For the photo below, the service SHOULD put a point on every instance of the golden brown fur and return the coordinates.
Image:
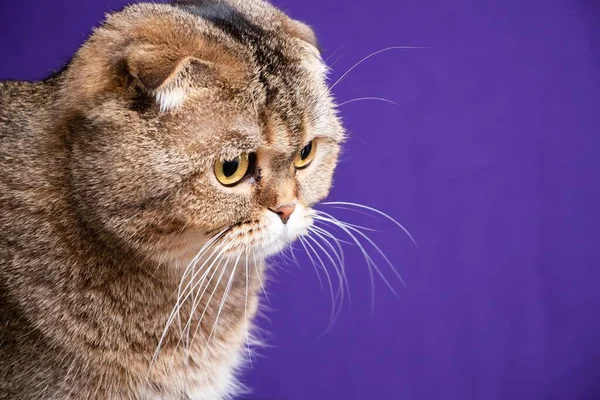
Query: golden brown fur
(107, 193)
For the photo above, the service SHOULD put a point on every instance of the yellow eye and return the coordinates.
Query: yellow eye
(306, 155)
(231, 172)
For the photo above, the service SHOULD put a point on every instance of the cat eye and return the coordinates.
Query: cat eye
(231, 172)
(306, 155)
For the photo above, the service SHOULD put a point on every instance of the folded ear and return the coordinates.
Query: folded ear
(146, 46)
(301, 31)
(164, 73)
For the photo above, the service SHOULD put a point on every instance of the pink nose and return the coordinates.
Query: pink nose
(285, 211)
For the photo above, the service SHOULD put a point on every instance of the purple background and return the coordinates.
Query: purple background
(490, 159)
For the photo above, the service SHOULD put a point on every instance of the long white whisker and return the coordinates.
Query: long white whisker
(223, 300)
(367, 98)
(359, 226)
(285, 255)
(369, 56)
(312, 262)
(195, 306)
(333, 263)
(330, 66)
(217, 252)
(333, 297)
(333, 54)
(366, 256)
(191, 282)
(323, 234)
(258, 276)
(380, 252)
(318, 231)
(357, 211)
(336, 240)
(246, 314)
(177, 306)
(192, 265)
(197, 299)
(398, 224)
(335, 311)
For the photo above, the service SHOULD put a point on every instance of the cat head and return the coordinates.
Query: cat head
(198, 120)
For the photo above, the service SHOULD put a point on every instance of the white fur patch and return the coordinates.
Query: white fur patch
(224, 384)
(169, 99)
(278, 236)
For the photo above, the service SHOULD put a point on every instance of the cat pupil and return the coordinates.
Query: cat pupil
(229, 167)
(306, 151)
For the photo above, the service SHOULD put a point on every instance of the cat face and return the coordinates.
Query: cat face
(196, 121)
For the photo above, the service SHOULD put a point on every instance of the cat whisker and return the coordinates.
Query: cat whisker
(323, 234)
(357, 211)
(352, 68)
(368, 239)
(223, 300)
(349, 204)
(188, 291)
(155, 356)
(312, 262)
(199, 286)
(333, 262)
(184, 332)
(177, 306)
(337, 240)
(330, 67)
(292, 254)
(370, 262)
(246, 315)
(258, 276)
(334, 53)
(333, 297)
(192, 265)
(206, 306)
(195, 260)
(367, 98)
(340, 293)
(283, 254)
(363, 228)
(196, 298)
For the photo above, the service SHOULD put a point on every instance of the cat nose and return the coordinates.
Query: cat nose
(285, 212)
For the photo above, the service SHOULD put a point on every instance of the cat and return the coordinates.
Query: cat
(143, 186)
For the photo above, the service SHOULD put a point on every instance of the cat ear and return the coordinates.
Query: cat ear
(301, 31)
(162, 73)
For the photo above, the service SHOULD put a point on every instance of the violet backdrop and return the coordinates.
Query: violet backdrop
(490, 159)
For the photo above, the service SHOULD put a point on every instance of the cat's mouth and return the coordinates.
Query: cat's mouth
(258, 238)
(268, 235)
